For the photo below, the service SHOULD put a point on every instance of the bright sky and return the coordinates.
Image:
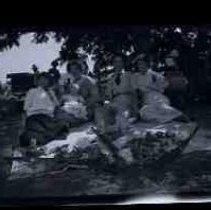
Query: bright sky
(20, 59)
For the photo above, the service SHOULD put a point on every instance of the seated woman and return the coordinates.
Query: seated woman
(39, 106)
(149, 87)
(178, 83)
(80, 88)
(120, 92)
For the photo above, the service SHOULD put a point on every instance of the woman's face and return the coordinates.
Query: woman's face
(142, 66)
(118, 63)
(75, 71)
(43, 82)
(170, 62)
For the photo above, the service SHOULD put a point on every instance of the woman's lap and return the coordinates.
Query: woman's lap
(41, 127)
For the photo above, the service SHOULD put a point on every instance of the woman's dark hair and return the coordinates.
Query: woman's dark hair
(44, 75)
(124, 58)
(137, 57)
(54, 63)
(72, 63)
(145, 58)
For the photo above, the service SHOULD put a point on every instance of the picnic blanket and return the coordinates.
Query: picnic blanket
(143, 144)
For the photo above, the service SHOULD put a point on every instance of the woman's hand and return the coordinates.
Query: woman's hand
(74, 88)
(81, 100)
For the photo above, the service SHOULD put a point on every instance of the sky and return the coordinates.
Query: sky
(20, 59)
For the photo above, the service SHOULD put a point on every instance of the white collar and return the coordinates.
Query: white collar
(123, 71)
(40, 88)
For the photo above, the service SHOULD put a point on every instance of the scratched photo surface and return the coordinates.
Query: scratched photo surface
(105, 111)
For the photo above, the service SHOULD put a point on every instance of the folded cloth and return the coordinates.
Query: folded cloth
(79, 137)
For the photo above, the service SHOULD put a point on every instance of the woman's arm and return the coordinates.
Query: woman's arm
(53, 97)
(159, 82)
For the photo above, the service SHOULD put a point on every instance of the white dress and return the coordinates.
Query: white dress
(156, 106)
(121, 95)
(38, 101)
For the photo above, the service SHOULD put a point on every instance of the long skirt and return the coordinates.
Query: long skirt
(43, 128)
(157, 108)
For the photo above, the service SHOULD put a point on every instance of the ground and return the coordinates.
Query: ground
(190, 172)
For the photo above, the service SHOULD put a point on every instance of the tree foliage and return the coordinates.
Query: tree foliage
(153, 39)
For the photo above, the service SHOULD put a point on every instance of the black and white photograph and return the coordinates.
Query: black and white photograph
(105, 110)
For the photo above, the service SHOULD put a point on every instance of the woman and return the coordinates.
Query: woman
(177, 88)
(119, 87)
(40, 106)
(120, 92)
(149, 87)
(80, 88)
